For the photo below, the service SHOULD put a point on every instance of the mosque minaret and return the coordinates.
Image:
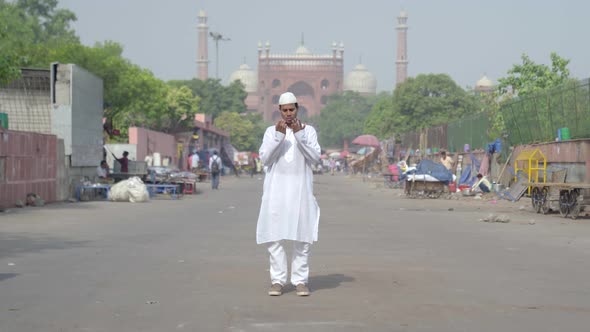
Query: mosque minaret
(402, 51)
(202, 50)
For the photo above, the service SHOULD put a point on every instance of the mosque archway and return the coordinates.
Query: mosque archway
(302, 89)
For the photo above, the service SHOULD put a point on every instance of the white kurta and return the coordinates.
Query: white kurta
(289, 211)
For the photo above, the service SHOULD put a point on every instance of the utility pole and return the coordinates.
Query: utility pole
(216, 36)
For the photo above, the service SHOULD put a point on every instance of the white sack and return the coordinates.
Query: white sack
(131, 190)
(138, 192)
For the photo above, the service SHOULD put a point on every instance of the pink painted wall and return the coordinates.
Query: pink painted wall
(149, 141)
(30, 166)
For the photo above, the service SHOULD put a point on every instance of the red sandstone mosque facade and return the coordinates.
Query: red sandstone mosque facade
(311, 77)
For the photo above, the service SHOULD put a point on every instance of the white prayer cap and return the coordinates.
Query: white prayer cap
(287, 98)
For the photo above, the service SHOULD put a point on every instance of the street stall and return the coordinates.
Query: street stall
(172, 182)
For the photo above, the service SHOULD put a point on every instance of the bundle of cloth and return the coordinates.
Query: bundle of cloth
(429, 171)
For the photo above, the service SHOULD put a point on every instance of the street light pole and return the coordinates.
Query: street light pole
(217, 37)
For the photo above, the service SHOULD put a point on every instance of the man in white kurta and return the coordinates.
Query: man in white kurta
(289, 210)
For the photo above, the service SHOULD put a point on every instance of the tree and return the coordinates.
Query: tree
(140, 101)
(181, 109)
(420, 102)
(48, 22)
(375, 123)
(343, 118)
(216, 98)
(240, 130)
(530, 77)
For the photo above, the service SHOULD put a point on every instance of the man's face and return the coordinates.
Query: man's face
(288, 112)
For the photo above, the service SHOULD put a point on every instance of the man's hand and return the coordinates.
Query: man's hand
(281, 127)
(297, 125)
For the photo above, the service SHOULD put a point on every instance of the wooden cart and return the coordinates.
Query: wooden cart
(567, 198)
(422, 189)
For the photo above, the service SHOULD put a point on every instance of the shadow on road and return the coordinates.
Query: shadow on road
(4, 276)
(12, 244)
(328, 281)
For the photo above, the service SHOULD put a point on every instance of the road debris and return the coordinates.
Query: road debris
(494, 218)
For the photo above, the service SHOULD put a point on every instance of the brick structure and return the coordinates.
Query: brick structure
(311, 77)
(28, 164)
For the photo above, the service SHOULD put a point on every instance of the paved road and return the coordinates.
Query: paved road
(383, 263)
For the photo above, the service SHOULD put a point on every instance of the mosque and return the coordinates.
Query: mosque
(311, 77)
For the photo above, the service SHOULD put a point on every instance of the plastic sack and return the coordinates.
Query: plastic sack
(138, 192)
(119, 192)
(131, 190)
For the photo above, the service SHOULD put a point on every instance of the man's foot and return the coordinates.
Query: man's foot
(302, 290)
(275, 290)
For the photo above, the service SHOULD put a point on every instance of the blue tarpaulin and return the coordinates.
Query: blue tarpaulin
(438, 171)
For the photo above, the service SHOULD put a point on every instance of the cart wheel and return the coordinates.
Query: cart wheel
(564, 201)
(574, 205)
(545, 204)
(536, 199)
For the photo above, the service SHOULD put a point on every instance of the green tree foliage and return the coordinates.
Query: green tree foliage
(240, 129)
(343, 118)
(216, 98)
(49, 23)
(259, 129)
(181, 107)
(420, 102)
(530, 77)
(374, 122)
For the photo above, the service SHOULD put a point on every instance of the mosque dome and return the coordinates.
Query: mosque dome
(484, 84)
(360, 80)
(247, 76)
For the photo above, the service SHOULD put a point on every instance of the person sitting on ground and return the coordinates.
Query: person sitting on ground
(102, 171)
(482, 184)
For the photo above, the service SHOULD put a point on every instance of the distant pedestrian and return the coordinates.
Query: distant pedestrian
(194, 162)
(289, 210)
(446, 160)
(124, 161)
(215, 168)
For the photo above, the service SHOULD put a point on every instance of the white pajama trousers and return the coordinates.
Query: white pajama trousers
(278, 263)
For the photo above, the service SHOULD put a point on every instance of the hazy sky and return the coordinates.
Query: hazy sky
(463, 38)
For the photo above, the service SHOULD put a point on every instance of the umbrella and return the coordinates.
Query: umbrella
(344, 154)
(366, 140)
(323, 156)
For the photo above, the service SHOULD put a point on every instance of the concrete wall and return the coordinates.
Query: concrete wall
(28, 164)
(149, 141)
(77, 113)
(572, 154)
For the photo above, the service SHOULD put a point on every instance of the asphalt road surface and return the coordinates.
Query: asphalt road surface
(382, 263)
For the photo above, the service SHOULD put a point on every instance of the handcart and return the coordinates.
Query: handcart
(568, 199)
(424, 186)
